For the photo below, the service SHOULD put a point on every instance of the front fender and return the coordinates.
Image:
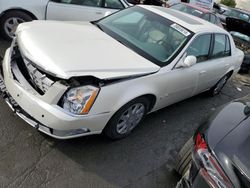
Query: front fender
(112, 97)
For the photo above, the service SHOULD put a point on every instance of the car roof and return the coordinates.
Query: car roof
(196, 7)
(190, 22)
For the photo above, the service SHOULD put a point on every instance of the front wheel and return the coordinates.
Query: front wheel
(10, 21)
(126, 119)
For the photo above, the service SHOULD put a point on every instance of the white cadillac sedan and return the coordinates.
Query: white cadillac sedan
(74, 79)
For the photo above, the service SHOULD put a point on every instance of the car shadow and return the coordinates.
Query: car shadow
(147, 156)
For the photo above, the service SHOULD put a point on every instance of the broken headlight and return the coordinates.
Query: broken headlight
(79, 100)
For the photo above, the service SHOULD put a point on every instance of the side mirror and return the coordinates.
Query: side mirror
(187, 62)
(190, 61)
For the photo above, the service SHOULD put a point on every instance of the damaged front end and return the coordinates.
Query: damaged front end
(55, 106)
(39, 83)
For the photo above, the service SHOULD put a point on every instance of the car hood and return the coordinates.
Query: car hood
(241, 26)
(70, 49)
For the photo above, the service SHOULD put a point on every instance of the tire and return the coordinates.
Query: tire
(123, 123)
(184, 158)
(217, 88)
(10, 21)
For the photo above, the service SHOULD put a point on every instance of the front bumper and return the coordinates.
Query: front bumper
(42, 112)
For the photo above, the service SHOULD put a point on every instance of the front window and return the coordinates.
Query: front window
(148, 34)
(200, 47)
(187, 9)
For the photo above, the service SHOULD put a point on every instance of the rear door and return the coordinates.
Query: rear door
(216, 64)
(81, 10)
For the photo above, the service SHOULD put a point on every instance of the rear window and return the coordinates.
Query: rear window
(221, 46)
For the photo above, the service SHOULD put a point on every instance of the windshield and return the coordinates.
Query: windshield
(187, 9)
(237, 14)
(150, 35)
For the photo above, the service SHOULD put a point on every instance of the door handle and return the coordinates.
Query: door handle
(227, 65)
(98, 12)
(203, 72)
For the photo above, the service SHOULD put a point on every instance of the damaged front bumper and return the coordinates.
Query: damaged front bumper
(41, 112)
(31, 121)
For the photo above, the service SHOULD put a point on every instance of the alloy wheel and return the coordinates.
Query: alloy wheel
(220, 85)
(11, 25)
(130, 118)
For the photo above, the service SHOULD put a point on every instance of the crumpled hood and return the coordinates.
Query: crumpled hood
(70, 49)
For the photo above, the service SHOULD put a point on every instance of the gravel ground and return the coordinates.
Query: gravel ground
(144, 159)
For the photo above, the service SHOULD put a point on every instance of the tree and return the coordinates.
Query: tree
(230, 3)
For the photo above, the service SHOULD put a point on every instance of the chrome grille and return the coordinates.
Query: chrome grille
(39, 79)
(35, 77)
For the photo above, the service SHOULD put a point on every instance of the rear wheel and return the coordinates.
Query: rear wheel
(10, 21)
(126, 119)
(219, 85)
(184, 158)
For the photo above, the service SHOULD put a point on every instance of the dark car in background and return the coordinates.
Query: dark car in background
(218, 154)
(233, 13)
(198, 12)
(245, 66)
(240, 31)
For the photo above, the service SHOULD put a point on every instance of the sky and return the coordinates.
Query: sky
(245, 4)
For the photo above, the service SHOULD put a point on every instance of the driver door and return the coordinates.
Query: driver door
(176, 85)
(184, 82)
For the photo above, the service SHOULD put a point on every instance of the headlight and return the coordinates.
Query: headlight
(79, 100)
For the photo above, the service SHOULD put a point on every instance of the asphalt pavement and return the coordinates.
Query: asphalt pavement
(145, 159)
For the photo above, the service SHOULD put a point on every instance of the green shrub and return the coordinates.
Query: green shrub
(230, 3)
